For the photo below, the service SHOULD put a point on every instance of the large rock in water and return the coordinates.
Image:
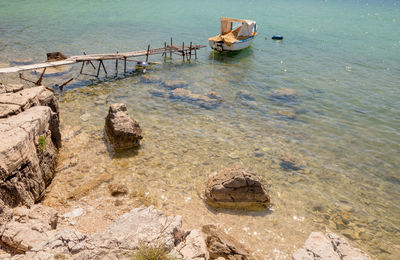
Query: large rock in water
(122, 131)
(321, 246)
(29, 130)
(236, 188)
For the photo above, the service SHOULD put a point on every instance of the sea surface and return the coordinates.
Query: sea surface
(316, 116)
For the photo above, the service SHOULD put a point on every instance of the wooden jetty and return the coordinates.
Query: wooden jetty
(186, 51)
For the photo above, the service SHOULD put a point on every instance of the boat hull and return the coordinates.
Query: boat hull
(236, 46)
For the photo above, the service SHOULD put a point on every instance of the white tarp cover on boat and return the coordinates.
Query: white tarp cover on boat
(226, 24)
(228, 36)
(247, 28)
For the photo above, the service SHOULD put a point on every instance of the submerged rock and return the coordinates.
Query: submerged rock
(117, 189)
(328, 246)
(173, 84)
(151, 78)
(207, 101)
(122, 131)
(236, 188)
(245, 95)
(284, 95)
(286, 114)
(22, 61)
(290, 163)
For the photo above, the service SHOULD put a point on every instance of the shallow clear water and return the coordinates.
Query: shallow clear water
(339, 132)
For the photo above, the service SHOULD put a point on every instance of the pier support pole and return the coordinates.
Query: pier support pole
(83, 64)
(116, 65)
(147, 54)
(183, 50)
(190, 51)
(124, 64)
(170, 53)
(98, 70)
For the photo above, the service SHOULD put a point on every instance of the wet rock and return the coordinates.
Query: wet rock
(328, 246)
(236, 188)
(55, 56)
(117, 189)
(221, 245)
(122, 130)
(29, 228)
(173, 84)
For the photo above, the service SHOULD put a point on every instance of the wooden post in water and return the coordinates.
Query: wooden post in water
(183, 50)
(104, 67)
(116, 65)
(89, 61)
(170, 53)
(190, 51)
(83, 63)
(147, 54)
(124, 64)
(98, 70)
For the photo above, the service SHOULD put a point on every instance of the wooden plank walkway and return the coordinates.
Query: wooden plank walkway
(181, 50)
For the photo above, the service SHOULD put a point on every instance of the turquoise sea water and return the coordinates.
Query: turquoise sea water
(343, 130)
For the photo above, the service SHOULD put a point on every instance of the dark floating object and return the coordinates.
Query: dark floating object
(277, 37)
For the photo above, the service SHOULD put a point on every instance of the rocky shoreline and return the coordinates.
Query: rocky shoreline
(29, 127)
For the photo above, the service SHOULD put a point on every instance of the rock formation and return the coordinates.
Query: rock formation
(122, 131)
(55, 56)
(32, 233)
(236, 188)
(220, 245)
(29, 130)
(328, 246)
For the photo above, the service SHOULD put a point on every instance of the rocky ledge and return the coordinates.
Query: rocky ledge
(30, 139)
(39, 233)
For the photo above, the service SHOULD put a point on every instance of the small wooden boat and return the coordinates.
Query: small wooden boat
(234, 38)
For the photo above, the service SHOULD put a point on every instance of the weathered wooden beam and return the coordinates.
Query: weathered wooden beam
(64, 84)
